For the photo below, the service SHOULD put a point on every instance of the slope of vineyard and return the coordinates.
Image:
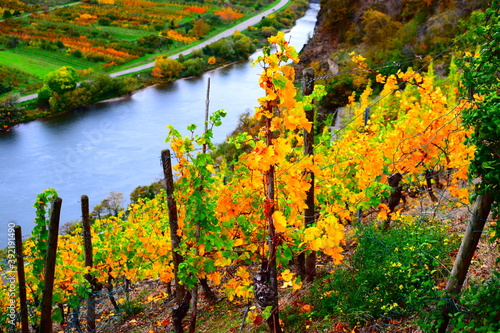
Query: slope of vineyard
(237, 228)
(392, 35)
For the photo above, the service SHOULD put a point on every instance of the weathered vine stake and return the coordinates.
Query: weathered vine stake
(268, 273)
(182, 297)
(194, 302)
(50, 266)
(273, 321)
(467, 248)
(307, 265)
(173, 221)
(87, 245)
(21, 278)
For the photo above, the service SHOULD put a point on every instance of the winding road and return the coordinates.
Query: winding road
(239, 27)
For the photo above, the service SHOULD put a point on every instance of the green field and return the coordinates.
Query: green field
(126, 34)
(33, 65)
(40, 62)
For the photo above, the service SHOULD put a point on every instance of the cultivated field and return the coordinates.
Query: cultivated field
(104, 35)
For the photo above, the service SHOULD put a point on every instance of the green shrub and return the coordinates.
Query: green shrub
(339, 89)
(479, 308)
(130, 308)
(392, 274)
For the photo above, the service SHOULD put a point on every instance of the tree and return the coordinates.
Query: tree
(193, 67)
(200, 28)
(197, 53)
(104, 21)
(101, 85)
(125, 85)
(44, 95)
(269, 31)
(153, 42)
(62, 80)
(12, 42)
(213, 20)
(146, 192)
(166, 68)
(379, 28)
(7, 14)
(9, 112)
(340, 14)
(243, 44)
(5, 88)
(111, 206)
(223, 48)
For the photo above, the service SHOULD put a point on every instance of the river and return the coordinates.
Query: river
(115, 146)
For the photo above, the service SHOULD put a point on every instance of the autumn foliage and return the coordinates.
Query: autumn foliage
(250, 220)
(229, 14)
(166, 68)
(177, 36)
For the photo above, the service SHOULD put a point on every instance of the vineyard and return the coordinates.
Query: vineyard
(366, 217)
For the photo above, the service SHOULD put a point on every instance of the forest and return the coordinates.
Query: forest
(361, 196)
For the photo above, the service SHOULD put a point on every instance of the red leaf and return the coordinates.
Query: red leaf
(257, 321)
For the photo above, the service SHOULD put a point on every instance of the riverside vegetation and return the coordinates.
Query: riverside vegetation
(382, 264)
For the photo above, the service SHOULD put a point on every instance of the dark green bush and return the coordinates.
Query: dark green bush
(479, 308)
(392, 274)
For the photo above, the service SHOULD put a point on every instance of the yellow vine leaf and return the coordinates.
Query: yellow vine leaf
(279, 222)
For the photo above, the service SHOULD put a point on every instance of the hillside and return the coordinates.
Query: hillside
(370, 228)
(393, 35)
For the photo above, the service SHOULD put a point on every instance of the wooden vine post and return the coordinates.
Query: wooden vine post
(194, 301)
(182, 297)
(50, 265)
(273, 320)
(21, 278)
(87, 246)
(307, 264)
(471, 238)
(482, 116)
(173, 221)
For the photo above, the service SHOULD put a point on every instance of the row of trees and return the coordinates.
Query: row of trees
(236, 47)
(8, 13)
(61, 90)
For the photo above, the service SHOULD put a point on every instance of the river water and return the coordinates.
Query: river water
(115, 146)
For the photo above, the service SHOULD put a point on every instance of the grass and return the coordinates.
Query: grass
(33, 65)
(126, 34)
(56, 57)
(30, 66)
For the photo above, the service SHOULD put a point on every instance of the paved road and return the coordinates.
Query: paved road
(240, 27)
